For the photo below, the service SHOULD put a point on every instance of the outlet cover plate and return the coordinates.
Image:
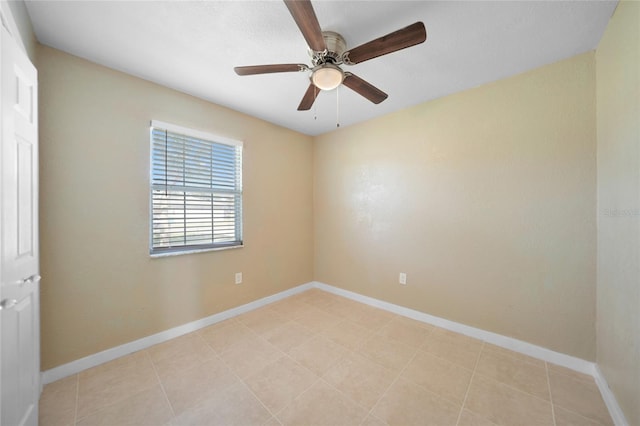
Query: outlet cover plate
(403, 278)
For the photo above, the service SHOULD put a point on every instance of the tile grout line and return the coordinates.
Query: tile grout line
(259, 336)
(349, 399)
(572, 375)
(164, 392)
(113, 403)
(514, 388)
(393, 383)
(371, 333)
(319, 379)
(423, 387)
(232, 371)
(510, 354)
(510, 386)
(75, 413)
(587, 419)
(283, 353)
(553, 410)
(246, 385)
(438, 356)
(466, 394)
(332, 365)
(573, 378)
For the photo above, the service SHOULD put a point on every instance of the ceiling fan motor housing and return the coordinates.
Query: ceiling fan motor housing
(336, 46)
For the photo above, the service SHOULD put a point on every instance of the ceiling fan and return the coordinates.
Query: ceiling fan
(328, 51)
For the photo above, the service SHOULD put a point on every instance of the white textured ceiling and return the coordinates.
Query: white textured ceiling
(193, 47)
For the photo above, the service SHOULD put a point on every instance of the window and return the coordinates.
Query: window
(196, 190)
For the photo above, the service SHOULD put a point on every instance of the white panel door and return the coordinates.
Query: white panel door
(19, 262)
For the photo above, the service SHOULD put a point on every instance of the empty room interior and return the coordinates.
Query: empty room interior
(320, 213)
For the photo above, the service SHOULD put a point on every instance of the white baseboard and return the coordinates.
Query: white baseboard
(516, 345)
(615, 411)
(116, 352)
(576, 364)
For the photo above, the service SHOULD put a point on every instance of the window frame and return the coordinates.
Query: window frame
(209, 137)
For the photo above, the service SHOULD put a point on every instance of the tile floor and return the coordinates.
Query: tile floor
(319, 359)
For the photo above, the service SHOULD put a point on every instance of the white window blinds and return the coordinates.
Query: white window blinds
(196, 190)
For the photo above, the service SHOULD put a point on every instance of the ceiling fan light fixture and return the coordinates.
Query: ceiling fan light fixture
(327, 77)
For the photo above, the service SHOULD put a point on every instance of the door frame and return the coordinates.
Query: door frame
(9, 22)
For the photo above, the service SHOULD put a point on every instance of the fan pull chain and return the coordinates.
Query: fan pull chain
(315, 110)
(338, 106)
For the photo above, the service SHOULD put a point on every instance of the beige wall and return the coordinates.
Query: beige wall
(100, 288)
(486, 199)
(618, 111)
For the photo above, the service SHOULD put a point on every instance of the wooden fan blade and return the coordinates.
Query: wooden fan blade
(305, 17)
(309, 97)
(363, 88)
(267, 69)
(397, 40)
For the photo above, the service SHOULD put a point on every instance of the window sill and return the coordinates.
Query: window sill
(181, 252)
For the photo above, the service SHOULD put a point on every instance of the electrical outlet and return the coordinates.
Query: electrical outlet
(403, 278)
(238, 277)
